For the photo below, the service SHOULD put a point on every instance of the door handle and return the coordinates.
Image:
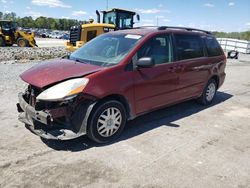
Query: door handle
(171, 69)
(180, 67)
(175, 68)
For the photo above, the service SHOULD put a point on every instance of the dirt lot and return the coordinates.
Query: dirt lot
(182, 146)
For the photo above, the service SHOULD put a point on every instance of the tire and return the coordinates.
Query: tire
(208, 93)
(2, 42)
(233, 54)
(102, 127)
(22, 42)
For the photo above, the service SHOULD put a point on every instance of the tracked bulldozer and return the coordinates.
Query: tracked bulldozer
(10, 34)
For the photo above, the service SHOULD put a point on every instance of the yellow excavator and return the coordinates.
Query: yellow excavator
(9, 35)
(114, 19)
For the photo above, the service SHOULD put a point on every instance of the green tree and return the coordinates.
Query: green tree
(41, 22)
(9, 16)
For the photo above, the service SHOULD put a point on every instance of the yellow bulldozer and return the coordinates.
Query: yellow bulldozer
(114, 19)
(9, 35)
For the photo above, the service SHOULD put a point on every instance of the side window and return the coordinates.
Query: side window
(125, 21)
(213, 47)
(91, 35)
(189, 46)
(158, 48)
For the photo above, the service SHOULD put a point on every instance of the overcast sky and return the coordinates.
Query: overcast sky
(220, 15)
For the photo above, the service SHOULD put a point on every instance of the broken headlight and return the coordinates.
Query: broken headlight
(64, 91)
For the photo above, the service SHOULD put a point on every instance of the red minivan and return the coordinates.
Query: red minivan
(117, 77)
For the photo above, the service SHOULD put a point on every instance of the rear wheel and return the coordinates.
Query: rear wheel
(2, 42)
(208, 93)
(106, 122)
(22, 42)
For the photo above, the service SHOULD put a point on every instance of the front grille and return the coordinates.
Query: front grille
(75, 34)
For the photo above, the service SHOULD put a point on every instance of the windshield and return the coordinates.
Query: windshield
(120, 20)
(9, 25)
(106, 50)
(110, 18)
(125, 21)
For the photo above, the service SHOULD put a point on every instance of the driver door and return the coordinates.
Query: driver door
(155, 87)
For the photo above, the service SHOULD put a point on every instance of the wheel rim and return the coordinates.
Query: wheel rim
(21, 43)
(211, 89)
(109, 122)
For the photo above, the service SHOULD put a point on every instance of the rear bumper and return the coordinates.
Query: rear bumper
(41, 123)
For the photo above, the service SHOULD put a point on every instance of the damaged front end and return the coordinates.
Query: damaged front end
(62, 119)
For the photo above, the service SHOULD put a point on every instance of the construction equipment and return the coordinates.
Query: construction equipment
(9, 35)
(114, 19)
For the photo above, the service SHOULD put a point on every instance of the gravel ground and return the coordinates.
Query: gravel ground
(47, 49)
(181, 146)
(26, 54)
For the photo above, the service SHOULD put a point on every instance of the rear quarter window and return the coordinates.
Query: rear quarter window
(213, 47)
(189, 46)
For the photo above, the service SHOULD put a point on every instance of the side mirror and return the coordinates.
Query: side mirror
(138, 17)
(145, 62)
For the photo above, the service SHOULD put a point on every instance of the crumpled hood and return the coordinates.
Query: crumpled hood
(55, 71)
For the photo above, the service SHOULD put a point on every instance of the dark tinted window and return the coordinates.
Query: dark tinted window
(91, 35)
(213, 47)
(159, 48)
(125, 21)
(189, 46)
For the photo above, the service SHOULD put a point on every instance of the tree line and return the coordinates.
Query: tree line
(65, 24)
(41, 22)
(235, 35)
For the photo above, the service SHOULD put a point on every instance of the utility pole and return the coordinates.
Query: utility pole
(157, 20)
(107, 5)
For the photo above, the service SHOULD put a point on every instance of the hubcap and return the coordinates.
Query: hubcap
(21, 43)
(210, 92)
(109, 122)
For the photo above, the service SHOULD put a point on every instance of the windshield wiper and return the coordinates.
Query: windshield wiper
(65, 57)
(78, 60)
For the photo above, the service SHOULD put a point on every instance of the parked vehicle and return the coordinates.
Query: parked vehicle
(65, 36)
(117, 77)
(10, 34)
(114, 19)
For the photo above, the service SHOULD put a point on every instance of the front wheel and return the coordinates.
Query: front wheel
(107, 121)
(22, 42)
(208, 93)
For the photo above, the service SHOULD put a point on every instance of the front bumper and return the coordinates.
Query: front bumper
(70, 47)
(47, 127)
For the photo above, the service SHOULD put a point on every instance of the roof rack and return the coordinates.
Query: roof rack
(183, 28)
(147, 27)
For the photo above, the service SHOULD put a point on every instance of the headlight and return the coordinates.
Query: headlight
(64, 90)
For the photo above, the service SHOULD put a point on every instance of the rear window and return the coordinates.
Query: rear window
(213, 47)
(189, 46)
